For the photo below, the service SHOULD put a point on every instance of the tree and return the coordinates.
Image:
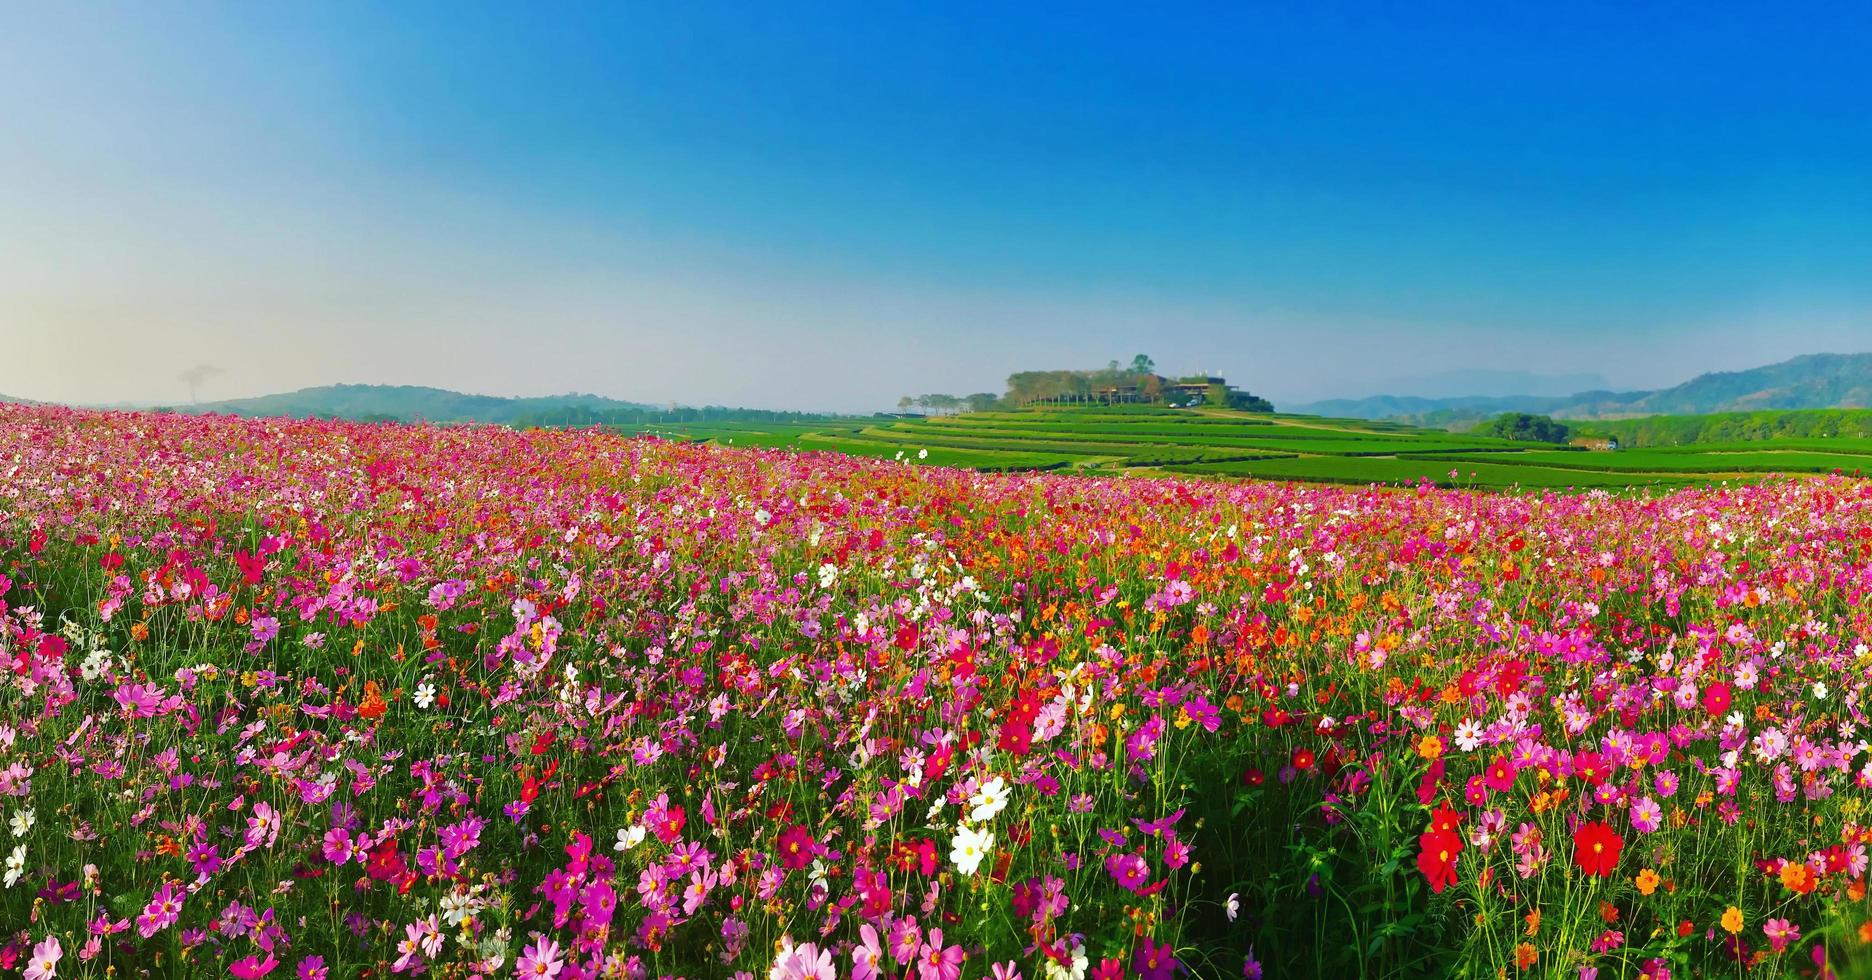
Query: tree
(982, 401)
(904, 403)
(941, 402)
(1523, 427)
(1244, 402)
(1141, 364)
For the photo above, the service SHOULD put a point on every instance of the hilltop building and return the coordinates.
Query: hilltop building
(1195, 390)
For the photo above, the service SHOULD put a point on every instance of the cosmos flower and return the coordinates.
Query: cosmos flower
(969, 846)
(1596, 848)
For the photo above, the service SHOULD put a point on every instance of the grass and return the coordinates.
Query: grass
(1209, 443)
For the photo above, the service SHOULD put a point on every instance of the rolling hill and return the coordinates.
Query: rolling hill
(1808, 381)
(403, 403)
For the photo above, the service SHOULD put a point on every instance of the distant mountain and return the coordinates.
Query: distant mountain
(1413, 406)
(1808, 381)
(1470, 382)
(404, 403)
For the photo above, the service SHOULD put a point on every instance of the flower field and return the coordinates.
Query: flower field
(313, 699)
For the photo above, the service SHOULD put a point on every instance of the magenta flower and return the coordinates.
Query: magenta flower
(934, 961)
(164, 908)
(540, 959)
(1781, 934)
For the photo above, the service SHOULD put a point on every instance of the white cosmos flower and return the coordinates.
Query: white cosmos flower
(425, 694)
(457, 908)
(21, 823)
(968, 849)
(15, 865)
(1233, 905)
(828, 574)
(989, 800)
(1468, 735)
(628, 838)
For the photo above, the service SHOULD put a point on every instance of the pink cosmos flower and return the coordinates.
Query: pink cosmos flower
(1646, 815)
(905, 939)
(164, 908)
(806, 962)
(45, 958)
(1781, 933)
(867, 954)
(540, 959)
(935, 961)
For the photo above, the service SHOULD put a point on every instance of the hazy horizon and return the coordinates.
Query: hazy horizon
(718, 204)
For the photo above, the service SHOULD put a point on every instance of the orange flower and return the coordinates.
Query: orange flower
(1647, 881)
(1533, 922)
(1798, 878)
(1525, 956)
(374, 705)
(1430, 747)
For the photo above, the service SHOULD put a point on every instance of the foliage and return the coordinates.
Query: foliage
(1523, 427)
(1689, 430)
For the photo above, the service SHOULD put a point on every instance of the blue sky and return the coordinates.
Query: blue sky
(825, 206)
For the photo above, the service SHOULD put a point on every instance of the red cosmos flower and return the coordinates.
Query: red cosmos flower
(1591, 766)
(796, 847)
(915, 857)
(669, 828)
(252, 567)
(1437, 860)
(384, 862)
(1444, 820)
(1428, 786)
(1500, 775)
(1303, 759)
(1716, 698)
(1254, 777)
(1596, 848)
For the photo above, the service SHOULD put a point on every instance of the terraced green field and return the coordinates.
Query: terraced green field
(1145, 440)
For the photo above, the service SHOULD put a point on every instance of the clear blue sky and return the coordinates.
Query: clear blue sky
(828, 205)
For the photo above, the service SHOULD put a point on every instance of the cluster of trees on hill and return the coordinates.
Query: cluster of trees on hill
(1139, 378)
(1684, 430)
(1026, 387)
(1524, 427)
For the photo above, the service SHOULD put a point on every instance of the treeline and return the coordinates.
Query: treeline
(1028, 387)
(1684, 430)
(981, 401)
(1523, 427)
(1149, 387)
(579, 416)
